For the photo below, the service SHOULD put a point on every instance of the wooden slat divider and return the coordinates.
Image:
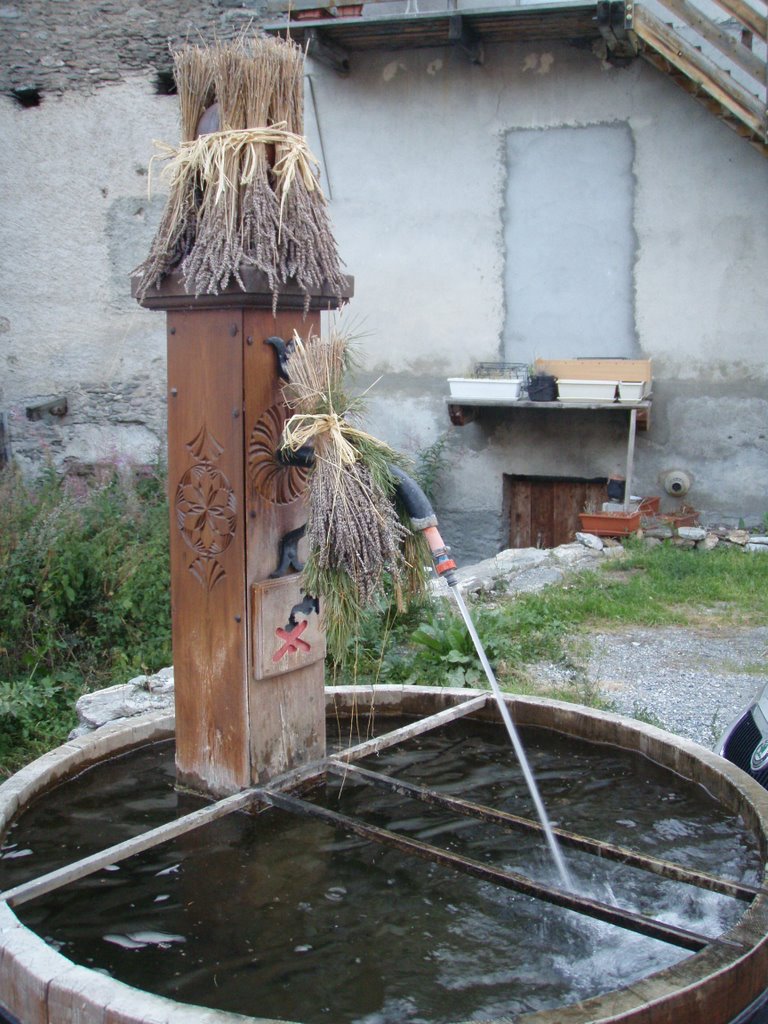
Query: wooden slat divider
(700, 69)
(389, 739)
(302, 775)
(726, 44)
(129, 848)
(607, 851)
(639, 923)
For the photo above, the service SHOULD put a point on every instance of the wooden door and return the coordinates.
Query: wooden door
(542, 512)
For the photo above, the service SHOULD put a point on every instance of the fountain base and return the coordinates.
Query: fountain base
(713, 985)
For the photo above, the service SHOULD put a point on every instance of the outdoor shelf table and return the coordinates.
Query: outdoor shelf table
(639, 417)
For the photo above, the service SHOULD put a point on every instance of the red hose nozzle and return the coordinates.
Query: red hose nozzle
(444, 564)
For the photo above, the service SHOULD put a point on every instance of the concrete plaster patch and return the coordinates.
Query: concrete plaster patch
(392, 70)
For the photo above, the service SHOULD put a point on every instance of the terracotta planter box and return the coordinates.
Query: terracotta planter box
(610, 524)
(650, 506)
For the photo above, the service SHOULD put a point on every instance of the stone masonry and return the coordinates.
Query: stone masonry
(55, 46)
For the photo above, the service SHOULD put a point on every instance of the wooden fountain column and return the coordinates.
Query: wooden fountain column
(248, 649)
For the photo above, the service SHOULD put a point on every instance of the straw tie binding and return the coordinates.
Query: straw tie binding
(206, 157)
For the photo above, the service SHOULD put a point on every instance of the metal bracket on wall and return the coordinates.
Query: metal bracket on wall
(615, 21)
(283, 351)
(289, 553)
(460, 415)
(325, 52)
(461, 34)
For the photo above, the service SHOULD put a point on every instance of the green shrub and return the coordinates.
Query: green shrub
(84, 600)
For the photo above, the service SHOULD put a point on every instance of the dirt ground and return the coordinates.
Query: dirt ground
(691, 680)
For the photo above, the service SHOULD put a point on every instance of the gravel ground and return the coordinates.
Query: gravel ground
(692, 681)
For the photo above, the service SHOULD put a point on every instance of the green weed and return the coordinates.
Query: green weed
(84, 601)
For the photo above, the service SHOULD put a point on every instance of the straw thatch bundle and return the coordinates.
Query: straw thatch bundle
(247, 194)
(360, 543)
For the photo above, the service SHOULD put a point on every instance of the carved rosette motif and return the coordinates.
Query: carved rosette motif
(276, 483)
(206, 509)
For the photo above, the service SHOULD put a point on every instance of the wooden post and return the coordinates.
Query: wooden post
(248, 649)
(629, 471)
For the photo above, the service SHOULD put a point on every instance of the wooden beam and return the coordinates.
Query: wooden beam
(460, 33)
(326, 52)
(606, 851)
(700, 69)
(726, 44)
(748, 16)
(408, 732)
(129, 848)
(755, 139)
(639, 923)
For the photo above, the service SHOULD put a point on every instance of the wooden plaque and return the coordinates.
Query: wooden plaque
(285, 628)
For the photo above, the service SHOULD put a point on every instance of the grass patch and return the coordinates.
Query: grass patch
(658, 586)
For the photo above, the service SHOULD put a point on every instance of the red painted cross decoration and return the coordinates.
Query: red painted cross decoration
(293, 643)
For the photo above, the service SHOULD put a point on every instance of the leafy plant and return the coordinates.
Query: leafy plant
(85, 597)
(445, 653)
(430, 463)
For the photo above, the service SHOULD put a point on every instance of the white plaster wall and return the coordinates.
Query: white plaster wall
(414, 146)
(418, 177)
(75, 221)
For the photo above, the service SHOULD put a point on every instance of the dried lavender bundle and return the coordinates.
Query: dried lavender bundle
(359, 545)
(260, 207)
(246, 194)
(307, 251)
(176, 233)
(352, 525)
(217, 253)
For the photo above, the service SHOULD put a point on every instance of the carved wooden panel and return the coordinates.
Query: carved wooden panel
(287, 707)
(206, 509)
(285, 627)
(272, 480)
(274, 493)
(208, 587)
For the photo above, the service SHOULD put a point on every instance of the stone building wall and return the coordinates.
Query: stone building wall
(419, 150)
(84, 89)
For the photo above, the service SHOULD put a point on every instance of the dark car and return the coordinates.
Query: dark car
(745, 742)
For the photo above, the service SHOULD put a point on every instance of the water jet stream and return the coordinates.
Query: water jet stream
(423, 518)
(530, 781)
